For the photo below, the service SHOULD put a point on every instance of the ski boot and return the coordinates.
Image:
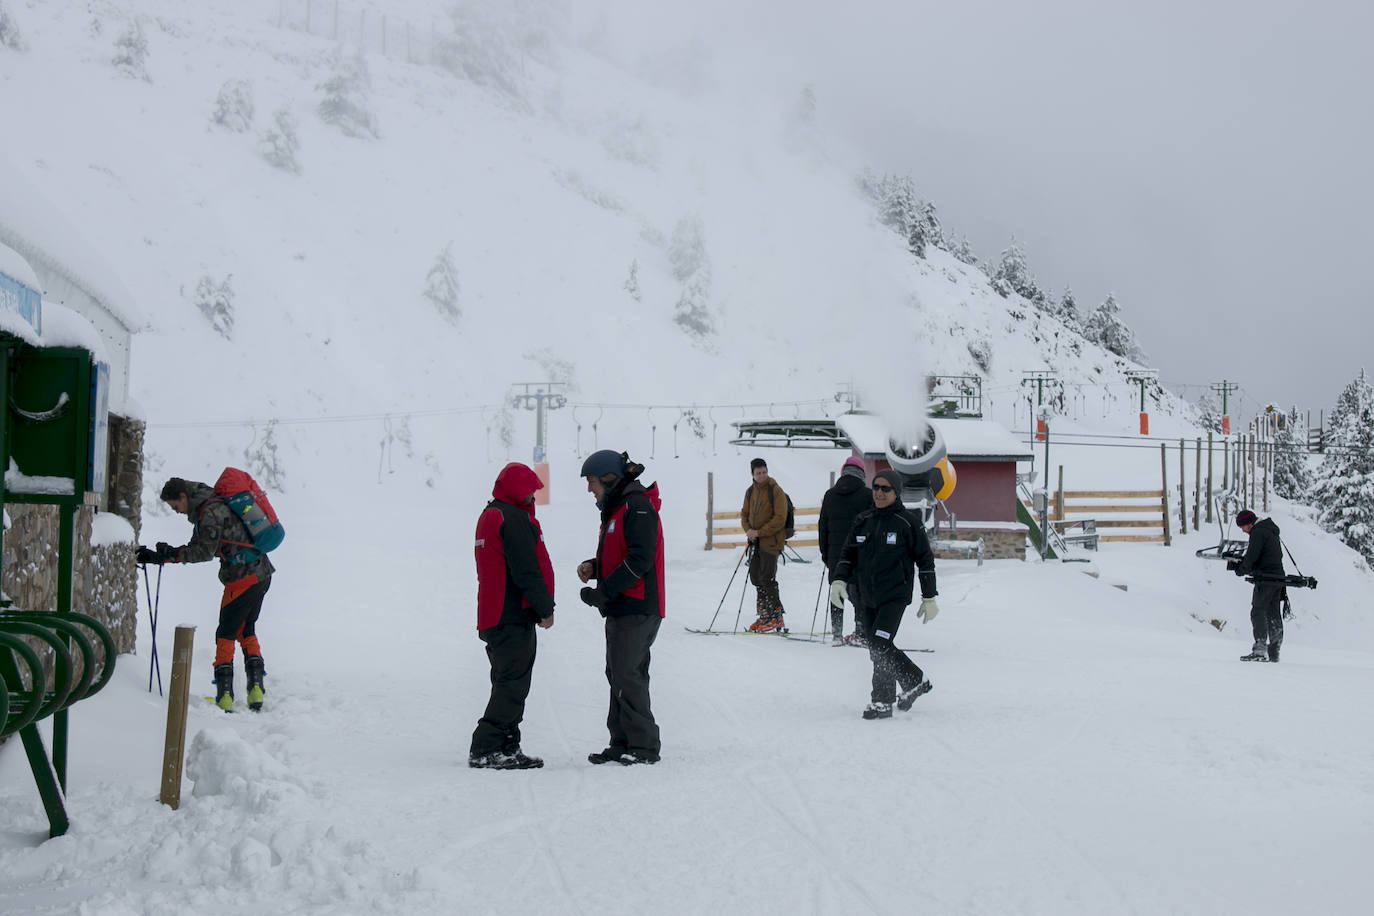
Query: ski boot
(1258, 653)
(907, 697)
(770, 624)
(224, 687)
(252, 664)
(878, 711)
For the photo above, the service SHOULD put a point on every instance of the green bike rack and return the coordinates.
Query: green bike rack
(53, 429)
(74, 678)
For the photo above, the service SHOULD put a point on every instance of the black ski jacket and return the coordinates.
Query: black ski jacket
(1264, 555)
(841, 505)
(884, 549)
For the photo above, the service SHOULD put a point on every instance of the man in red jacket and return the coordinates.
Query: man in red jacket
(514, 594)
(629, 593)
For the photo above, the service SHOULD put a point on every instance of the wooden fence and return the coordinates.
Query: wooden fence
(723, 530)
(1119, 515)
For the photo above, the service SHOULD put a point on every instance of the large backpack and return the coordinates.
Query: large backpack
(249, 504)
(789, 525)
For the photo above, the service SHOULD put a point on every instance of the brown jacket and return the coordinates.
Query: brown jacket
(765, 509)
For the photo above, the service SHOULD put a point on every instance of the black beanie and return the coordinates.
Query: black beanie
(892, 478)
(1245, 517)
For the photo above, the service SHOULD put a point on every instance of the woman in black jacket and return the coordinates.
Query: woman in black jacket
(885, 549)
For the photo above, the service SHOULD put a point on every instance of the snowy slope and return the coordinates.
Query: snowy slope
(1086, 749)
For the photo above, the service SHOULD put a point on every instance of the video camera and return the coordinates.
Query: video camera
(1291, 580)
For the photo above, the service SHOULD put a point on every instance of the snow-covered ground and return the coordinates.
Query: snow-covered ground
(1091, 746)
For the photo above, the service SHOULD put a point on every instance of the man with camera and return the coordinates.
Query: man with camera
(1263, 563)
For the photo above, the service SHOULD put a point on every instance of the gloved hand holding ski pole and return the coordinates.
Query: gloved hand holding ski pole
(839, 590)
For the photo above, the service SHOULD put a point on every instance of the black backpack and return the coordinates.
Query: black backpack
(789, 525)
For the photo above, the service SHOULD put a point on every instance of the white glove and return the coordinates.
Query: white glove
(838, 592)
(928, 610)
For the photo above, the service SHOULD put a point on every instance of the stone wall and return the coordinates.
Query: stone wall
(104, 583)
(1005, 542)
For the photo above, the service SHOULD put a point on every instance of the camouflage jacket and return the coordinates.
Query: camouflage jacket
(219, 533)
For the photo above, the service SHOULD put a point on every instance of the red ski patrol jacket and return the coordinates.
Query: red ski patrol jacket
(514, 573)
(629, 556)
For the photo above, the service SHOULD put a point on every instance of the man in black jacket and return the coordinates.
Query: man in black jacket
(629, 593)
(883, 552)
(841, 504)
(1263, 562)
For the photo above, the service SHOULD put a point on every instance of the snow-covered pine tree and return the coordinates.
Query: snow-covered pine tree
(687, 254)
(693, 309)
(932, 229)
(480, 48)
(131, 52)
(1291, 474)
(1209, 413)
(962, 249)
(345, 103)
(1105, 328)
(441, 285)
(1013, 275)
(234, 106)
(280, 145)
(216, 302)
(10, 36)
(1067, 311)
(1343, 485)
(632, 281)
(262, 459)
(687, 248)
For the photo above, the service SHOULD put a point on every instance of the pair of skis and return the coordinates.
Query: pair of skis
(783, 633)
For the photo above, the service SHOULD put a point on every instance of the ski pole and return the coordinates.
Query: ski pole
(738, 562)
(152, 620)
(818, 600)
(748, 552)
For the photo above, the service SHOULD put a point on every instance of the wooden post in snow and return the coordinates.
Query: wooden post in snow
(710, 512)
(1209, 477)
(1197, 487)
(1059, 497)
(174, 749)
(1164, 483)
(1182, 490)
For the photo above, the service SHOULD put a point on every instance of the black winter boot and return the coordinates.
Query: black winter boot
(253, 666)
(1274, 652)
(224, 687)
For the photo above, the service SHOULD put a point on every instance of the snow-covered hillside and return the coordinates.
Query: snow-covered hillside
(1087, 749)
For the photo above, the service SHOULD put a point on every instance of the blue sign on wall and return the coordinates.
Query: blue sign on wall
(24, 302)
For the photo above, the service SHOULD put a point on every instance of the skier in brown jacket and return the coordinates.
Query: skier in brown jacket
(763, 517)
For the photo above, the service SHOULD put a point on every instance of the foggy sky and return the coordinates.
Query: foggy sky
(1207, 162)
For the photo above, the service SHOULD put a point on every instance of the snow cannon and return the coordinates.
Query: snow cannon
(925, 467)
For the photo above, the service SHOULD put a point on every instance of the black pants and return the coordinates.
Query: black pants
(763, 572)
(510, 649)
(891, 666)
(630, 719)
(1266, 616)
(238, 619)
